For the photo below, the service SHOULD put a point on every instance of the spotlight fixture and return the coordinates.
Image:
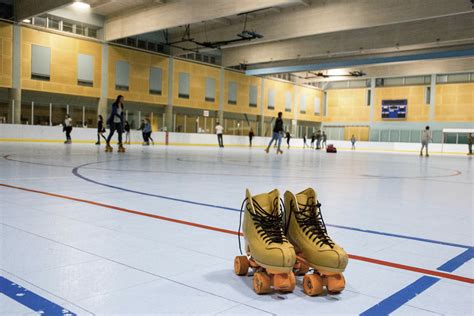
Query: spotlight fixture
(81, 5)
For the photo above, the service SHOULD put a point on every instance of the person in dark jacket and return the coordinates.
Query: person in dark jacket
(100, 129)
(116, 122)
(324, 138)
(251, 135)
(288, 137)
(318, 139)
(277, 134)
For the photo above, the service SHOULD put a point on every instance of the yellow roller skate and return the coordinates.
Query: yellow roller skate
(108, 148)
(305, 229)
(269, 254)
(121, 149)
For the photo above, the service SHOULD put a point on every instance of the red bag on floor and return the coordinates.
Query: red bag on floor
(331, 149)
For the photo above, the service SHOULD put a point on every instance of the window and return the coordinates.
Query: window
(232, 93)
(53, 23)
(91, 32)
(67, 27)
(183, 91)
(210, 89)
(303, 104)
(141, 44)
(85, 70)
(40, 62)
(288, 102)
(155, 81)
(121, 75)
(428, 95)
(131, 42)
(253, 95)
(271, 99)
(369, 97)
(317, 106)
(80, 30)
(151, 46)
(40, 21)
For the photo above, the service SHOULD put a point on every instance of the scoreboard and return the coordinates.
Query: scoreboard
(394, 109)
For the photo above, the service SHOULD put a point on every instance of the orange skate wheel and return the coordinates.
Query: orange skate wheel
(292, 281)
(335, 283)
(261, 283)
(241, 265)
(312, 284)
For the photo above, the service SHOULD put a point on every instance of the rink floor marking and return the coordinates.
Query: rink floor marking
(231, 232)
(31, 300)
(403, 296)
(75, 171)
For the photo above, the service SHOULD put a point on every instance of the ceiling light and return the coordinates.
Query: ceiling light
(26, 21)
(81, 5)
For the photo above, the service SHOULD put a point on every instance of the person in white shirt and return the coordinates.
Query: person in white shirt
(425, 139)
(68, 128)
(219, 131)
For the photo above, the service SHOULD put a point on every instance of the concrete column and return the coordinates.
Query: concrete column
(432, 97)
(14, 94)
(262, 107)
(372, 101)
(296, 109)
(104, 83)
(169, 121)
(220, 113)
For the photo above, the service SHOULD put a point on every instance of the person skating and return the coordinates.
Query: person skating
(127, 132)
(277, 134)
(219, 132)
(353, 141)
(116, 122)
(68, 129)
(304, 141)
(324, 138)
(318, 139)
(313, 138)
(100, 129)
(288, 137)
(251, 135)
(425, 139)
(469, 143)
(147, 133)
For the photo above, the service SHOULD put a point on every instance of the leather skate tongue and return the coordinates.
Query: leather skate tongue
(266, 203)
(302, 199)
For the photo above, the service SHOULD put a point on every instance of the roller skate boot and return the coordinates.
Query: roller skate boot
(269, 254)
(108, 148)
(306, 231)
(121, 149)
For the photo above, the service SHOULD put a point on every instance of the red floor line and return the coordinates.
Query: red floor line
(231, 232)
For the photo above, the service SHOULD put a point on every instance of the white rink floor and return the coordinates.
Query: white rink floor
(77, 257)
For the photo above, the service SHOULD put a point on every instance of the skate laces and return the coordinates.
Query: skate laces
(268, 226)
(311, 221)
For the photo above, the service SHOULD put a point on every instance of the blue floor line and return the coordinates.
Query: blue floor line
(31, 300)
(401, 236)
(75, 172)
(398, 299)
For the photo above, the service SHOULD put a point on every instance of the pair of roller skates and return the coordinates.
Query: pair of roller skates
(280, 244)
(109, 149)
